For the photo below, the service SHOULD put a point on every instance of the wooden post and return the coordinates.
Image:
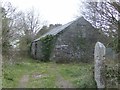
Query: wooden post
(99, 57)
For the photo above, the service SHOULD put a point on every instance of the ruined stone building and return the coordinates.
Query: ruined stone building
(73, 41)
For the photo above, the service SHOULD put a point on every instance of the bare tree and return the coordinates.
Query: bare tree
(8, 17)
(105, 16)
(30, 24)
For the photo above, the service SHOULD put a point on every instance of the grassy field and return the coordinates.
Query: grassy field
(32, 74)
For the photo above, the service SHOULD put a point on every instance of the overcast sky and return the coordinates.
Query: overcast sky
(53, 11)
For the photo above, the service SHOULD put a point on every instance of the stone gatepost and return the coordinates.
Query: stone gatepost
(99, 65)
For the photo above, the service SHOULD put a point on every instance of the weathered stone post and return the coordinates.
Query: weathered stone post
(99, 57)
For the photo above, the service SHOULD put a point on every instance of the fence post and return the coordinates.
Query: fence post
(99, 66)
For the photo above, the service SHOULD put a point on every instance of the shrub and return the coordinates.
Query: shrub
(112, 75)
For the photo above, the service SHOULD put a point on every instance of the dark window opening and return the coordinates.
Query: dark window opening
(35, 49)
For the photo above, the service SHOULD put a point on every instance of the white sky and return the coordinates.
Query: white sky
(53, 11)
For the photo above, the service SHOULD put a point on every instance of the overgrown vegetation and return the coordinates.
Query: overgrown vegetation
(47, 44)
(13, 72)
(44, 75)
(19, 26)
(112, 74)
(81, 75)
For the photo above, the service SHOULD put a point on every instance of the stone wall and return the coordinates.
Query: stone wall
(75, 43)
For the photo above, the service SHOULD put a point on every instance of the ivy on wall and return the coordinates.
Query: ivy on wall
(47, 43)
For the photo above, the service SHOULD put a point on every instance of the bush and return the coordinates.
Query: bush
(112, 76)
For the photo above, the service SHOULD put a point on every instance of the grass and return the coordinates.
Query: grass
(80, 75)
(112, 74)
(12, 73)
(47, 79)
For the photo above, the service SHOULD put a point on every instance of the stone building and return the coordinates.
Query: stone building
(73, 41)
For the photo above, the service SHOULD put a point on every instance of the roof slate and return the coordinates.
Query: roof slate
(55, 31)
(58, 29)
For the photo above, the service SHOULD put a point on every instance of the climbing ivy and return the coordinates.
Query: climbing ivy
(47, 43)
